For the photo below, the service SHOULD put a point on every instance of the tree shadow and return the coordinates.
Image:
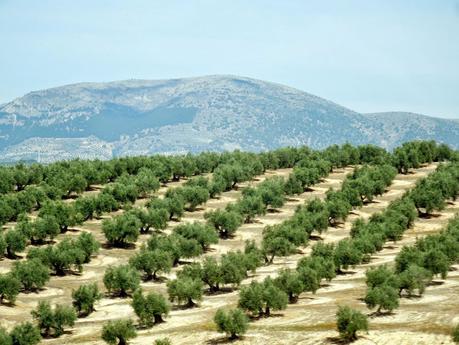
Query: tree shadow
(429, 215)
(223, 340)
(176, 307)
(34, 290)
(158, 279)
(8, 304)
(221, 291)
(369, 202)
(411, 297)
(108, 246)
(337, 340)
(345, 273)
(292, 199)
(376, 314)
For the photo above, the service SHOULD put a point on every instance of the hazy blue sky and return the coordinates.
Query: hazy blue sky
(367, 55)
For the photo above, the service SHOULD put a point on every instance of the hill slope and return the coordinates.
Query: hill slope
(188, 115)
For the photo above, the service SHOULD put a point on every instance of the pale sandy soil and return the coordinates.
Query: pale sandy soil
(311, 321)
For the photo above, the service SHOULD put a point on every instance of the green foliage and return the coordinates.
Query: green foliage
(85, 297)
(51, 321)
(152, 262)
(15, 242)
(260, 298)
(64, 213)
(121, 280)
(25, 334)
(3, 245)
(290, 282)
(225, 222)
(185, 290)
(414, 278)
(5, 338)
(249, 207)
(276, 244)
(121, 230)
(150, 308)
(175, 205)
(202, 233)
(194, 196)
(44, 228)
(62, 257)
(349, 322)
(9, 287)
(346, 254)
(88, 244)
(118, 331)
(32, 274)
(233, 268)
(211, 274)
(455, 334)
(382, 296)
(272, 192)
(233, 322)
(146, 182)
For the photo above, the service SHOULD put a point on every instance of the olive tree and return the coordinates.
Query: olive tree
(413, 278)
(118, 332)
(121, 280)
(51, 321)
(85, 297)
(225, 222)
(194, 196)
(261, 298)
(232, 322)
(290, 282)
(185, 290)
(32, 274)
(384, 297)
(9, 287)
(150, 308)
(121, 230)
(202, 233)
(16, 241)
(152, 262)
(25, 334)
(349, 322)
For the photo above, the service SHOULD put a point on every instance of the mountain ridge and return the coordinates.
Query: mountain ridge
(216, 112)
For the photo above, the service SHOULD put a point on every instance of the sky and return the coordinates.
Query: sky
(367, 55)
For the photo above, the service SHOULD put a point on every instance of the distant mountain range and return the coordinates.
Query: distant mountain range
(139, 117)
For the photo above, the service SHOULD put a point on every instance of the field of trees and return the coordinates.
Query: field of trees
(292, 246)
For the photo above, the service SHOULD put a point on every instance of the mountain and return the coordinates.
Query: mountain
(133, 117)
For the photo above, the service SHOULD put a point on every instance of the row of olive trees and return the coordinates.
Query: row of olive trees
(327, 259)
(41, 184)
(133, 175)
(317, 215)
(415, 266)
(32, 274)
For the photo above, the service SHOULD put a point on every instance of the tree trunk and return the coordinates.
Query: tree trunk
(190, 303)
(158, 318)
(267, 311)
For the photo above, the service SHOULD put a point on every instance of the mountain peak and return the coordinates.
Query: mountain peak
(214, 112)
